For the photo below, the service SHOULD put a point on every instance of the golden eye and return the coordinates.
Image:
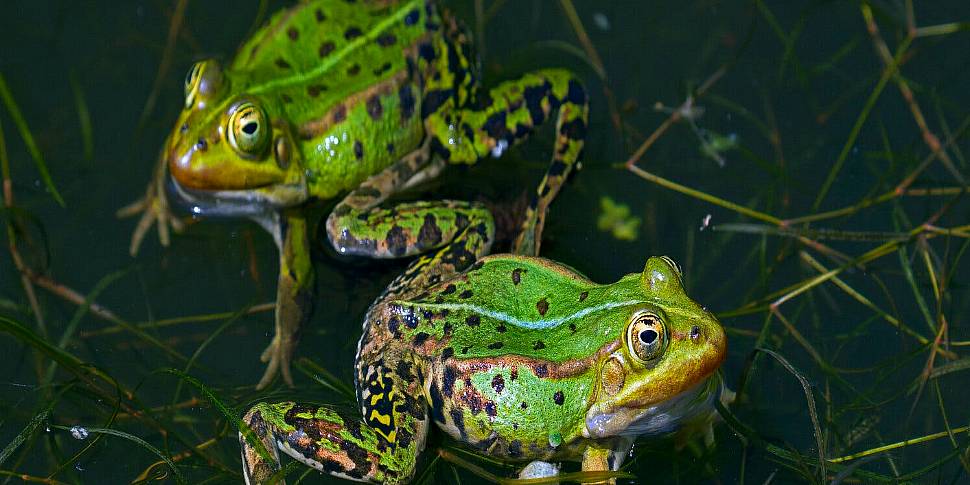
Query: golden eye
(646, 337)
(248, 129)
(192, 82)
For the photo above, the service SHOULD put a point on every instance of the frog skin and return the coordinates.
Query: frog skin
(332, 92)
(518, 357)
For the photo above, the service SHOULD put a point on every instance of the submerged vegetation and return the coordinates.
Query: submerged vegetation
(804, 161)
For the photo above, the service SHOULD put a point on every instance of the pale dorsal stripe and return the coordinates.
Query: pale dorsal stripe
(335, 57)
(530, 324)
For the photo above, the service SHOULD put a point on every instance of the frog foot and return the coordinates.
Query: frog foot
(277, 356)
(539, 469)
(155, 209)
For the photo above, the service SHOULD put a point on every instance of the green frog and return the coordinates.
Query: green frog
(332, 96)
(518, 357)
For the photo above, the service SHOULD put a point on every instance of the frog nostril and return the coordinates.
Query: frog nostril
(201, 145)
(184, 128)
(695, 333)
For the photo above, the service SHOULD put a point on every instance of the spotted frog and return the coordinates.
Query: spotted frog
(370, 97)
(518, 357)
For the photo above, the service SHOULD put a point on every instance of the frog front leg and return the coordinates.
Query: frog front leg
(294, 294)
(505, 116)
(154, 208)
(606, 456)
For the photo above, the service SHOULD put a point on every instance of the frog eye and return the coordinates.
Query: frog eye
(192, 82)
(202, 80)
(673, 264)
(248, 129)
(646, 337)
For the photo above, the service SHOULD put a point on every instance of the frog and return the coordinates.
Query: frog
(360, 100)
(515, 356)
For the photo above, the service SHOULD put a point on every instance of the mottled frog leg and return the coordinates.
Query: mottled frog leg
(359, 226)
(294, 295)
(380, 448)
(606, 456)
(154, 208)
(505, 116)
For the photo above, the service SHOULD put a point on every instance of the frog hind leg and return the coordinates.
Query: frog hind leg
(506, 115)
(467, 246)
(294, 293)
(360, 226)
(381, 448)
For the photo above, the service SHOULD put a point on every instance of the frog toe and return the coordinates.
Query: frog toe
(277, 358)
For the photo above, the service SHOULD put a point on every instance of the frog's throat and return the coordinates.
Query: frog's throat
(665, 417)
(239, 203)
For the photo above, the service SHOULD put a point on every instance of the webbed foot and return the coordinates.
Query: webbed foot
(277, 357)
(155, 210)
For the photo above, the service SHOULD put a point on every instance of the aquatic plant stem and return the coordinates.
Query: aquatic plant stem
(893, 321)
(929, 138)
(594, 58)
(18, 118)
(899, 444)
(697, 194)
(165, 64)
(857, 127)
(168, 322)
(675, 116)
(8, 203)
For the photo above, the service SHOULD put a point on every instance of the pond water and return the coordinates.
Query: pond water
(867, 307)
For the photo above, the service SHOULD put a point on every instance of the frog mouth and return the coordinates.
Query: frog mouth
(663, 418)
(256, 202)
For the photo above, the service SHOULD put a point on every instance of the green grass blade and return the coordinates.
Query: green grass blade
(231, 415)
(79, 315)
(28, 430)
(325, 378)
(179, 478)
(83, 117)
(18, 119)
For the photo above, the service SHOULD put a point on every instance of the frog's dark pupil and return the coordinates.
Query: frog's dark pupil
(648, 336)
(250, 128)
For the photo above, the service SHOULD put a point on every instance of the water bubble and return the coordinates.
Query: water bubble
(601, 21)
(79, 432)
(499, 148)
(706, 222)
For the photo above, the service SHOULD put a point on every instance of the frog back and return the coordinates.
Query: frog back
(320, 52)
(340, 76)
(510, 349)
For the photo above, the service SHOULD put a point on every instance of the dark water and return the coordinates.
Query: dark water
(797, 76)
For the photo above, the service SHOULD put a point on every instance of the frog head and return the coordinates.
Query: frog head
(659, 375)
(232, 148)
